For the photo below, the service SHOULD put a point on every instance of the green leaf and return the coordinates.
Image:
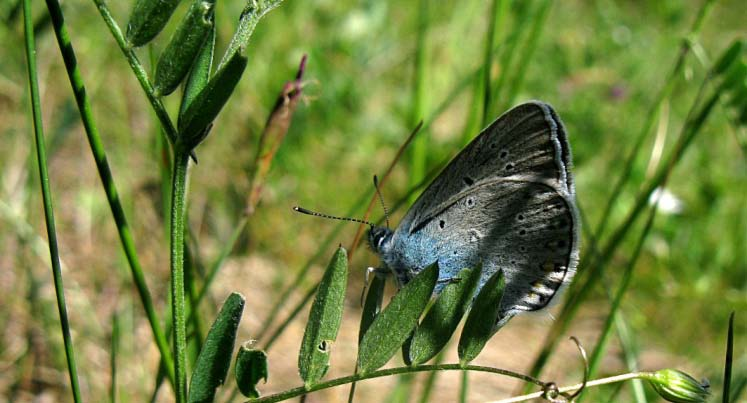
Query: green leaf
(185, 45)
(199, 75)
(444, 316)
(250, 16)
(735, 75)
(728, 57)
(208, 103)
(482, 318)
(212, 364)
(147, 19)
(251, 366)
(394, 324)
(372, 305)
(324, 320)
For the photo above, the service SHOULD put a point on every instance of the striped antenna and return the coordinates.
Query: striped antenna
(314, 213)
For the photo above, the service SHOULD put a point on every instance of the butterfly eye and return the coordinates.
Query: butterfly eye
(442, 224)
(509, 167)
(470, 202)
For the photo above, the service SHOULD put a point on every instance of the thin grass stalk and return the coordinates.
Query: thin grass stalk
(630, 355)
(430, 382)
(418, 153)
(538, 23)
(178, 311)
(583, 284)
(463, 387)
(520, 27)
(41, 158)
(107, 180)
(291, 393)
(606, 330)
(113, 354)
(493, 17)
(652, 115)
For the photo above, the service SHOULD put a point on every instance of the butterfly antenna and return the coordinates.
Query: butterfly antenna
(381, 199)
(314, 213)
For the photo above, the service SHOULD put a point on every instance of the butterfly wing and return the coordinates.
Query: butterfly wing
(527, 142)
(526, 229)
(506, 200)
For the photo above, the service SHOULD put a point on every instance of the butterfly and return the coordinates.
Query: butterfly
(507, 200)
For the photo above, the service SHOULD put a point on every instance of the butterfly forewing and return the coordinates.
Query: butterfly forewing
(527, 142)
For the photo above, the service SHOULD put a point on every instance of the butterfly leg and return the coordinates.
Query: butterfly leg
(377, 271)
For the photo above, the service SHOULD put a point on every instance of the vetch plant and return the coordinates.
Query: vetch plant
(422, 316)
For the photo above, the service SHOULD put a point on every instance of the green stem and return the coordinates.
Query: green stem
(112, 196)
(178, 311)
(138, 70)
(291, 393)
(41, 158)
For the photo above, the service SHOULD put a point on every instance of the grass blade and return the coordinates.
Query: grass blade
(41, 159)
(212, 364)
(394, 324)
(444, 316)
(324, 320)
(728, 360)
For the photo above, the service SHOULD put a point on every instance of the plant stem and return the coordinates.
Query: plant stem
(112, 196)
(288, 394)
(178, 311)
(41, 158)
(138, 70)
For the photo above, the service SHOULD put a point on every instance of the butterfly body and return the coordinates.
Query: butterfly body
(507, 201)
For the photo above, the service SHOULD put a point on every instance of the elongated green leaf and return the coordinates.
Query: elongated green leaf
(324, 320)
(251, 366)
(372, 305)
(444, 316)
(185, 45)
(208, 103)
(481, 321)
(394, 324)
(212, 364)
(729, 56)
(147, 19)
(199, 75)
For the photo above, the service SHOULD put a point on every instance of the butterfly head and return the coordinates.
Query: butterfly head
(380, 239)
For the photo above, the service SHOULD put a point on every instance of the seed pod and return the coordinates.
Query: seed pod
(147, 19)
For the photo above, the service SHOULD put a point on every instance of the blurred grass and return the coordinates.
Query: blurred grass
(599, 63)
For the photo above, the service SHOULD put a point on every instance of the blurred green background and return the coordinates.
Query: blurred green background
(375, 69)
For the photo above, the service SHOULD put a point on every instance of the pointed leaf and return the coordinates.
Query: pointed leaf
(251, 366)
(212, 364)
(394, 324)
(147, 19)
(199, 75)
(728, 57)
(444, 316)
(208, 103)
(372, 305)
(324, 320)
(481, 321)
(184, 46)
